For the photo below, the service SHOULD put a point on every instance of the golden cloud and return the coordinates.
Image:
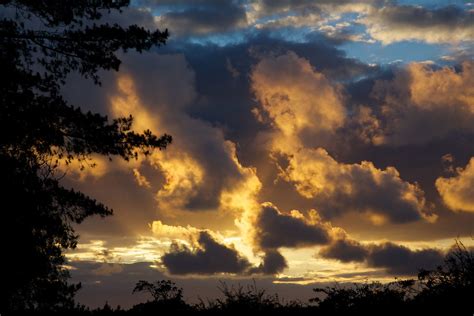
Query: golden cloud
(338, 187)
(458, 191)
(440, 100)
(403, 23)
(296, 97)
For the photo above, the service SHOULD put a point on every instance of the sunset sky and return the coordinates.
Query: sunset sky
(313, 142)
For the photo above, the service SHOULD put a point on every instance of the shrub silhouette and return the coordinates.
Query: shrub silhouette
(250, 298)
(166, 296)
(450, 286)
(373, 297)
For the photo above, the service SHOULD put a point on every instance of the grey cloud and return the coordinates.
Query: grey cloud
(344, 250)
(211, 258)
(401, 260)
(174, 104)
(449, 24)
(274, 230)
(426, 95)
(199, 17)
(273, 262)
(275, 6)
(396, 259)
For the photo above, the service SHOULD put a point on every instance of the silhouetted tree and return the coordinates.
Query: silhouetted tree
(450, 286)
(166, 297)
(448, 289)
(366, 298)
(250, 298)
(41, 42)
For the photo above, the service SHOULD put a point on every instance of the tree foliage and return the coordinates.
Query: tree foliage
(41, 42)
(166, 297)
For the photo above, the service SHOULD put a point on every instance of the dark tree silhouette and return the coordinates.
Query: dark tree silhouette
(447, 289)
(41, 42)
(161, 291)
(166, 297)
(450, 286)
(246, 299)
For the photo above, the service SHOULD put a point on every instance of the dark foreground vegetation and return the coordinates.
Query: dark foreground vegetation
(446, 290)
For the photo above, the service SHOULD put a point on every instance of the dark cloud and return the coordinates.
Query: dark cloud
(273, 263)
(344, 250)
(210, 258)
(396, 259)
(303, 6)
(198, 17)
(401, 260)
(449, 24)
(275, 229)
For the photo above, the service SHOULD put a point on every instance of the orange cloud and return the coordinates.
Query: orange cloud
(458, 191)
(337, 187)
(391, 24)
(440, 100)
(296, 98)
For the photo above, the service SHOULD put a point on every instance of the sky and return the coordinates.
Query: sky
(313, 142)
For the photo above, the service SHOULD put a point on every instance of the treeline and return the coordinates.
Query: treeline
(447, 290)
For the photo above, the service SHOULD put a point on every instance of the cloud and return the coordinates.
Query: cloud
(209, 258)
(345, 250)
(108, 269)
(449, 24)
(458, 192)
(401, 260)
(273, 263)
(296, 98)
(306, 109)
(173, 232)
(200, 169)
(385, 21)
(141, 179)
(274, 229)
(441, 100)
(198, 17)
(265, 8)
(396, 259)
(337, 188)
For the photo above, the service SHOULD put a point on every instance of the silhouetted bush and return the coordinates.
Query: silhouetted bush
(450, 286)
(166, 296)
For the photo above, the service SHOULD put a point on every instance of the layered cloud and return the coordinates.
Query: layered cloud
(200, 169)
(274, 229)
(458, 191)
(273, 262)
(268, 229)
(198, 17)
(384, 21)
(345, 250)
(395, 23)
(296, 98)
(210, 257)
(305, 109)
(439, 100)
(303, 8)
(395, 259)
(162, 230)
(337, 188)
